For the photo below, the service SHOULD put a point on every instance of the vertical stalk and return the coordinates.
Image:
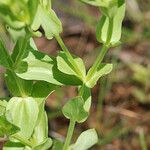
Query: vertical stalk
(97, 62)
(142, 140)
(103, 51)
(69, 134)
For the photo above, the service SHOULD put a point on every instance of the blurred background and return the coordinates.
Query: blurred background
(121, 101)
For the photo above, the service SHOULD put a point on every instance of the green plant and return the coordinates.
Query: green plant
(31, 76)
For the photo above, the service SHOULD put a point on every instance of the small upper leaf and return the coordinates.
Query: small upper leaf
(112, 18)
(102, 70)
(74, 110)
(65, 66)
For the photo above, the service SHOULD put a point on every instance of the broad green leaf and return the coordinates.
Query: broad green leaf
(65, 66)
(5, 59)
(41, 67)
(102, 70)
(74, 110)
(38, 66)
(23, 113)
(16, 85)
(7, 128)
(99, 3)
(112, 20)
(86, 140)
(47, 19)
(13, 146)
(45, 145)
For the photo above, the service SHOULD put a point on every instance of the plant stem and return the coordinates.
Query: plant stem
(65, 49)
(103, 51)
(69, 134)
(97, 62)
(22, 140)
(142, 140)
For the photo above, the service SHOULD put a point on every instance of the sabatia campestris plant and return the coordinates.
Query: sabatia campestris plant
(31, 76)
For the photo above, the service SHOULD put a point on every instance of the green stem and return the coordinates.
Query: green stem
(69, 134)
(97, 62)
(103, 51)
(22, 140)
(65, 49)
(142, 140)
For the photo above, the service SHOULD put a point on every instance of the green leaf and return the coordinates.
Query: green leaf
(112, 19)
(74, 110)
(47, 19)
(13, 146)
(7, 128)
(40, 132)
(65, 66)
(86, 140)
(45, 145)
(102, 70)
(41, 67)
(16, 85)
(38, 66)
(23, 113)
(5, 59)
(64, 78)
